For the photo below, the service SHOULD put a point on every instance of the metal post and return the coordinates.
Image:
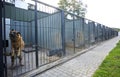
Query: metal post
(74, 32)
(94, 31)
(1, 44)
(102, 31)
(89, 33)
(4, 37)
(63, 32)
(97, 33)
(83, 30)
(36, 34)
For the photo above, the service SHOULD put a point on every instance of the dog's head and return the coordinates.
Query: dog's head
(14, 35)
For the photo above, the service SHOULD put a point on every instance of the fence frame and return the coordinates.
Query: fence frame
(63, 31)
(1, 42)
(36, 35)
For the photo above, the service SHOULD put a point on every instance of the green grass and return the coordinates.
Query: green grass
(110, 67)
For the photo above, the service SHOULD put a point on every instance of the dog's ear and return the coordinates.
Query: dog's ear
(19, 33)
(12, 30)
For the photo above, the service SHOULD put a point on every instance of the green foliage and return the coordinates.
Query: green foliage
(73, 6)
(110, 67)
(117, 29)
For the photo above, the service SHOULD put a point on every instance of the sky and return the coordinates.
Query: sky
(106, 12)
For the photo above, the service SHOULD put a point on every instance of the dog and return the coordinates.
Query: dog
(17, 44)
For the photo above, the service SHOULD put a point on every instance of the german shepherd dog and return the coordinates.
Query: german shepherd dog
(17, 44)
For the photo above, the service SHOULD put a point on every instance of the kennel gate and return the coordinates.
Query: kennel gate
(42, 31)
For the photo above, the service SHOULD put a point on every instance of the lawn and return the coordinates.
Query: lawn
(110, 67)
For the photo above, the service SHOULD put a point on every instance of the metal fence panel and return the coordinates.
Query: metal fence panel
(49, 32)
(86, 34)
(79, 33)
(69, 33)
(92, 35)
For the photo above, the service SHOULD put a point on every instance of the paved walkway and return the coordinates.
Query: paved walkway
(83, 65)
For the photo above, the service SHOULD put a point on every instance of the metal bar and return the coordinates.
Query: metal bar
(74, 32)
(97, 32)
(4, 38)
(94, 31)
(1, 45)
(28, 26)
(24, 32)
(63, 32)
(36, 34)
(89, 33)
(102, 33)
(43, 36)
(83, 31)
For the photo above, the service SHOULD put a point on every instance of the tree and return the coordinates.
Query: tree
(73, 6)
